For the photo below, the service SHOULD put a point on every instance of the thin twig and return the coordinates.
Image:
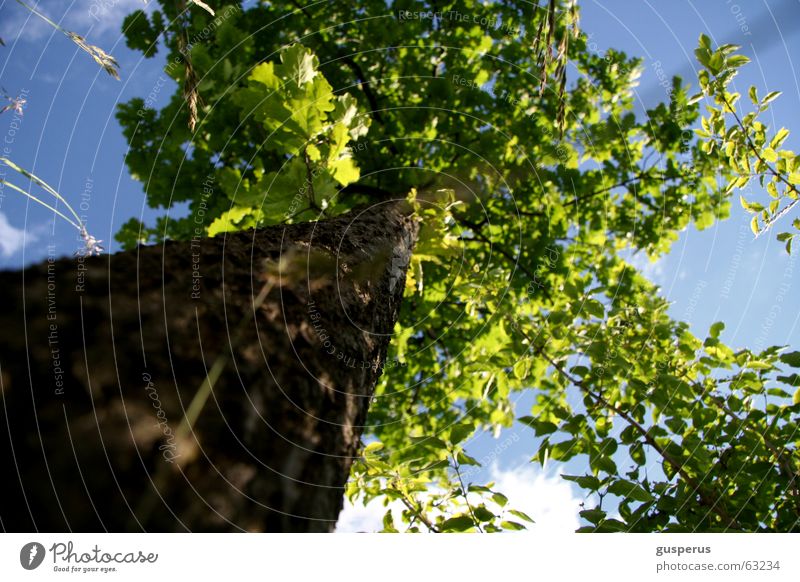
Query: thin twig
(101, 57)
(464, 493)
(675, 463)
(767, 224)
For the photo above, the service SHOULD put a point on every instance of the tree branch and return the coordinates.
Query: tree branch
(675, 463)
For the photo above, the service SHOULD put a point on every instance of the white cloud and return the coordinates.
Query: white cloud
(103, 16)
(19, 23)
(90, 18)
(365, 518)
(547, 499)
(13, 239)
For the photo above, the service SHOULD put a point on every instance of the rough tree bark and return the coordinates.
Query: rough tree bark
(101, 357)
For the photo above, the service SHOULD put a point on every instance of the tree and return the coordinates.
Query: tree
(528, 186)
(191, 404)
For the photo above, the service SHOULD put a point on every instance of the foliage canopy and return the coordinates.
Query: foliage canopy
(528, 198)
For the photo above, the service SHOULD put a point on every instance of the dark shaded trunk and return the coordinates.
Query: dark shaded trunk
(101, 358)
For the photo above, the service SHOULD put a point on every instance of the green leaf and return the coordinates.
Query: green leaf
(264, 73)
(309, 109)
(611, 525)
(735, 61)
(594, 516)
(751, 207)
(716, 329)
(131, 234)
(791, 359)
(232, 220)
(500, 499)
(522, 515)
(521, 368)
(779, 138)
(373, 447)
(388, 522)
(694, 98)
(580, 371)
(313, 152)
(629, 490)
(541, 427)
(769, 154)
(457, 524)
(793, 380)
(594, 308)
(703, 56)
(638, 453)
(705, 220)
(140, 34)
(429, 442)
(483, 514)
(300, 64)
(589, 482)
(754, 225)
(460, 432)
(346, 114)
(465, 459)
(344, 171)
(715, 63)
(564, 450)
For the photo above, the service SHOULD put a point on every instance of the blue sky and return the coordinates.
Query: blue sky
(720, 273)
(69, 136)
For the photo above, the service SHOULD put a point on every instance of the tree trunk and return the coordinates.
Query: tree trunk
(102, 358)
